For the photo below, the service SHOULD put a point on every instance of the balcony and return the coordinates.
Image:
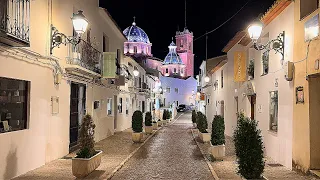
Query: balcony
(14, 22)
(84, 59)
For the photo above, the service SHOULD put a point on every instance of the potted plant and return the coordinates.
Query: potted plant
(164, 117)
(159, 123)
(249, 148)
(154, 125)
(137, 120)
(87, 159)
(194, 118)
(202, 125)
(148, 123)
(251, 69)
(218, 148)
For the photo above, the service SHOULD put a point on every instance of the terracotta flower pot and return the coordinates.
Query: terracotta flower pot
(137, 137)
(205, 137)
(155, 126)
(82, 167)
(218, 151)
(148, 129)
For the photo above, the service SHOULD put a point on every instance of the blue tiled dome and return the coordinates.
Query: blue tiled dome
(172, 57)
(136, 34)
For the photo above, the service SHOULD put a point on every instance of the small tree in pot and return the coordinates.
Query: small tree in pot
(217, 137)
(194, 118)
(137, 120)
(164, 116)
(249, 148)
(202, 125)
(87, 159)
(148, 123)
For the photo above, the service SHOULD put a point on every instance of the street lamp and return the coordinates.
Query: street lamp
(207, 79)
(80, 24)
(277, 44)
(192, 91)
(136, 73)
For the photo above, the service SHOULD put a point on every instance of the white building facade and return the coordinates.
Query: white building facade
(268, 97)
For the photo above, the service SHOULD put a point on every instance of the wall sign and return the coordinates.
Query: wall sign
(311, 28)
(299, 95)
(240, 70)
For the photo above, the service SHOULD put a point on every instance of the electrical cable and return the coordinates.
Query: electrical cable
(224, 22)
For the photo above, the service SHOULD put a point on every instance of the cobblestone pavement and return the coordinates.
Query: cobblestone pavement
(115, 149)
(227, 169)
(170, 154)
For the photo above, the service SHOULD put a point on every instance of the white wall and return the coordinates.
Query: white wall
(278, 145)
(185, 88)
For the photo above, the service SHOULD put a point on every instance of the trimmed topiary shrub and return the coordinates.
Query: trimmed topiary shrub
(137, 120)
(194, 116)
(169, 114)
(202, 123)
(148, 119)
(86, 138)
(164, 114)
(218, 128)
(249, 148)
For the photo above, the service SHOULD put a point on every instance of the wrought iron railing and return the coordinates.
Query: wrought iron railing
(86, 56)
(15, 18)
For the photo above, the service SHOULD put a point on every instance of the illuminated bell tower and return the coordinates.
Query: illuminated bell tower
(184, 41)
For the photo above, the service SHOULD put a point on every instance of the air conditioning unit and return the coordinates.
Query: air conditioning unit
(288, 70)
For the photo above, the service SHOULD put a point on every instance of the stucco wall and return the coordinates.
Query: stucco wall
(47, 136)
(185, 89)
(302, 121)
(278, 145)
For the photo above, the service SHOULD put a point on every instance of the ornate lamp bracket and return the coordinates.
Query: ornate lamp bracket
(58, 38)
(276, 44)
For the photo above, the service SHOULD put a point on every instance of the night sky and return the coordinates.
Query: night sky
(160, 19)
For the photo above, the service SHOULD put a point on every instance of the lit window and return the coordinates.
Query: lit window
(273, 111)
(14, 104)
(109, 106)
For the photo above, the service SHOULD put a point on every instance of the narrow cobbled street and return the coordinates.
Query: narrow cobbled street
(171, 154)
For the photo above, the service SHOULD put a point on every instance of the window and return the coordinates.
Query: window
(181, 70)
(105, 43)
(167, 71)
(307, 7)
(208, 100)
(109, 106)
(89, 35)
(14, 104)
(273, 111)
(181, 42)
(135, 49)
(175, 70)
(265, 63)
(120, 106)
(221, 78)
(127, 105)
(176, 90)
(168, 90)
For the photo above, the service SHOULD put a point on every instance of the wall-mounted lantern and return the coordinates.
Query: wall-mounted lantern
(207, 79)
(277, 44)
(80, 24)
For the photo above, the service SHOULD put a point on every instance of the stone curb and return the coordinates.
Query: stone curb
(130, 155)
(214, 174)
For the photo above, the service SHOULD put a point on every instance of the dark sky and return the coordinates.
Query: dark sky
(160, 20)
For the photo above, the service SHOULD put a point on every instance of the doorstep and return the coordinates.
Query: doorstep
(315, 172)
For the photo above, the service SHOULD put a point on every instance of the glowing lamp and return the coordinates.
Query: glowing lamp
(135, 73)
(206, 79)
(80, 23)
(255, 30)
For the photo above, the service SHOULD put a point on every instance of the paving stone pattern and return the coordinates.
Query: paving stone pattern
(170, 154)
(227, 169)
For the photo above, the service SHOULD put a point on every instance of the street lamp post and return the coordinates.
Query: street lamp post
(277, 44)
(80, 24)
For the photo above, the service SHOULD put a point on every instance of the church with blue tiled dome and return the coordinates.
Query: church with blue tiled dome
(137, 41)
(173, 64)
